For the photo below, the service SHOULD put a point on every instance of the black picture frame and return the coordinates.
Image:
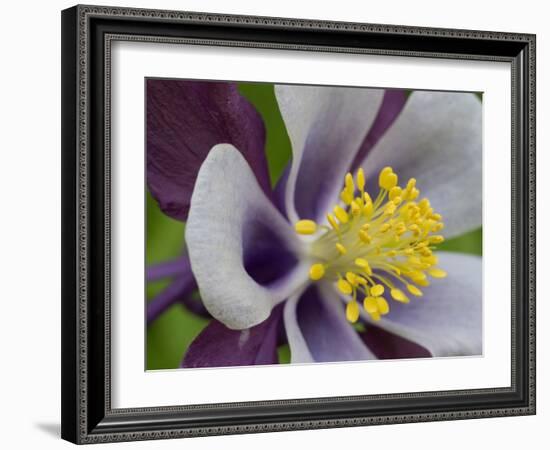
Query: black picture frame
(87, 415)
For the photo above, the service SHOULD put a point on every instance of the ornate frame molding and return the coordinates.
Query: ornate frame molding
(87, 422)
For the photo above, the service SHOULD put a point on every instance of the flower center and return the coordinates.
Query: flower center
(369, 248)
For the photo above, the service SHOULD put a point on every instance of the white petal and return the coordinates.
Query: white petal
(326, 126)
(437, 139)
(226, 204)
(299, 352)
(447, 320)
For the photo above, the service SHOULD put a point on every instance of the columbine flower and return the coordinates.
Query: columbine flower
(346, 236)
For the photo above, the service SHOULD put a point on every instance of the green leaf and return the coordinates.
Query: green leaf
(278, 149)
(283, 352)
(170, 335)
(471, 242)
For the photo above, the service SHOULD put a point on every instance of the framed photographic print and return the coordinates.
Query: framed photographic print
(282, 224)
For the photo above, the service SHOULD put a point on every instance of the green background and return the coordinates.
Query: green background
(169, 336)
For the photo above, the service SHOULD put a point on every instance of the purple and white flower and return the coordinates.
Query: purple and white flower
(299, 262)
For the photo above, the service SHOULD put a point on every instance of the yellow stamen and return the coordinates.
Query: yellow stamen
(370, 305)
(437, 273)
(344, 286)
(316, 272)
(397, 294)
(341, 214)
(387, 179)
(341, 249)
(368, 209)
(383, 306)
(346, 196)
(414, 290)
(333, 222)
(364, 264)
(355, 208)
(352, 278)
(305, 227)
(379, 246)
(352, 311)
(395, 192)
(377, 290)
(360, 179)
(349, 182)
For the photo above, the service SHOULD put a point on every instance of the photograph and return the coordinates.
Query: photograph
(298, 224)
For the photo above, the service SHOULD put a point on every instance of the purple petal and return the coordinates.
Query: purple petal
(168, 269)
(447, 319)
(393, 103)
(185, 119)
(329, 336)
(181, 287)
(326, 126)
(386, 345)
(219, 346)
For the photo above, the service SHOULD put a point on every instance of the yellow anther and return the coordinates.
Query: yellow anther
(437, 273)
(437, 239)
(352, 311)
(364, 264)
(425, 251)
(411, 184)
(360, 179)
(377, 290)
(364, 236)
(424, 204)
(355, 208)
(368, 209)
(432, 259)
(351, 278)
(413, 194)
(346, 196)
(370, 305)
(414, 290)
(414, 260)
(395, 192)
(390, 209)
(397, 201)
(400, 228)
(305, 227)
(366, 197)
(423, 283)
(385, 227)
(349, 182)
(341, 214)
(360, 280)
(397, 294)
(415, 229)
(333, 222)
(341, 249)
(316, 271)
(344, 286)
(387, 179)
(416, 275)
(383, 306)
